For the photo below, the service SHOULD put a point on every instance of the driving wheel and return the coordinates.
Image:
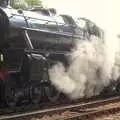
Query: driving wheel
(35, 93)
(11, 98)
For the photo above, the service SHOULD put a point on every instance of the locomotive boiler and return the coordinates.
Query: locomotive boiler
(30, 43)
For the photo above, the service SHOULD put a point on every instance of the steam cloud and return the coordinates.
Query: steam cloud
(99, 64)
(93, 66)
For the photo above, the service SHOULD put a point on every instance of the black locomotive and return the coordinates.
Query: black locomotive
(30, 44)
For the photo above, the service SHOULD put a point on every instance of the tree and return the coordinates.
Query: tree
(32, 3)
(18, 4)
(25, 4)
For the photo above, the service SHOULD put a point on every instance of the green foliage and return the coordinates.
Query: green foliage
(32, 3)
(18, 4)
(25, 4)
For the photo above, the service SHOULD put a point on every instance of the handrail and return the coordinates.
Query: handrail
(27, 39)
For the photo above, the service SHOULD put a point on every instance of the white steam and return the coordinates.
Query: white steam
(99, 63)
(93, 65)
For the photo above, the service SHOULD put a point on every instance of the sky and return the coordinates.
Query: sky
(105, 13)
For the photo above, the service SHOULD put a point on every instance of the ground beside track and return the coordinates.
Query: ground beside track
(104, 117)
(107, 115)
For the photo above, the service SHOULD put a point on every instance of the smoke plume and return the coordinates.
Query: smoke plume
(94, 64)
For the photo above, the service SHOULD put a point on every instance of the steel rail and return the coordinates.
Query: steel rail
(98, 112)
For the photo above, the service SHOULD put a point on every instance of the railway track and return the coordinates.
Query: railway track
(70, 111)
(26, 107)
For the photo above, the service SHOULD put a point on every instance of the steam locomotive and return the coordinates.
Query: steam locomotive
(30, 43)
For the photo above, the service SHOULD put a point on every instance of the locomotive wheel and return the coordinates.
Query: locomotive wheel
(51, 92)
(35, 93)
(11, 93)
